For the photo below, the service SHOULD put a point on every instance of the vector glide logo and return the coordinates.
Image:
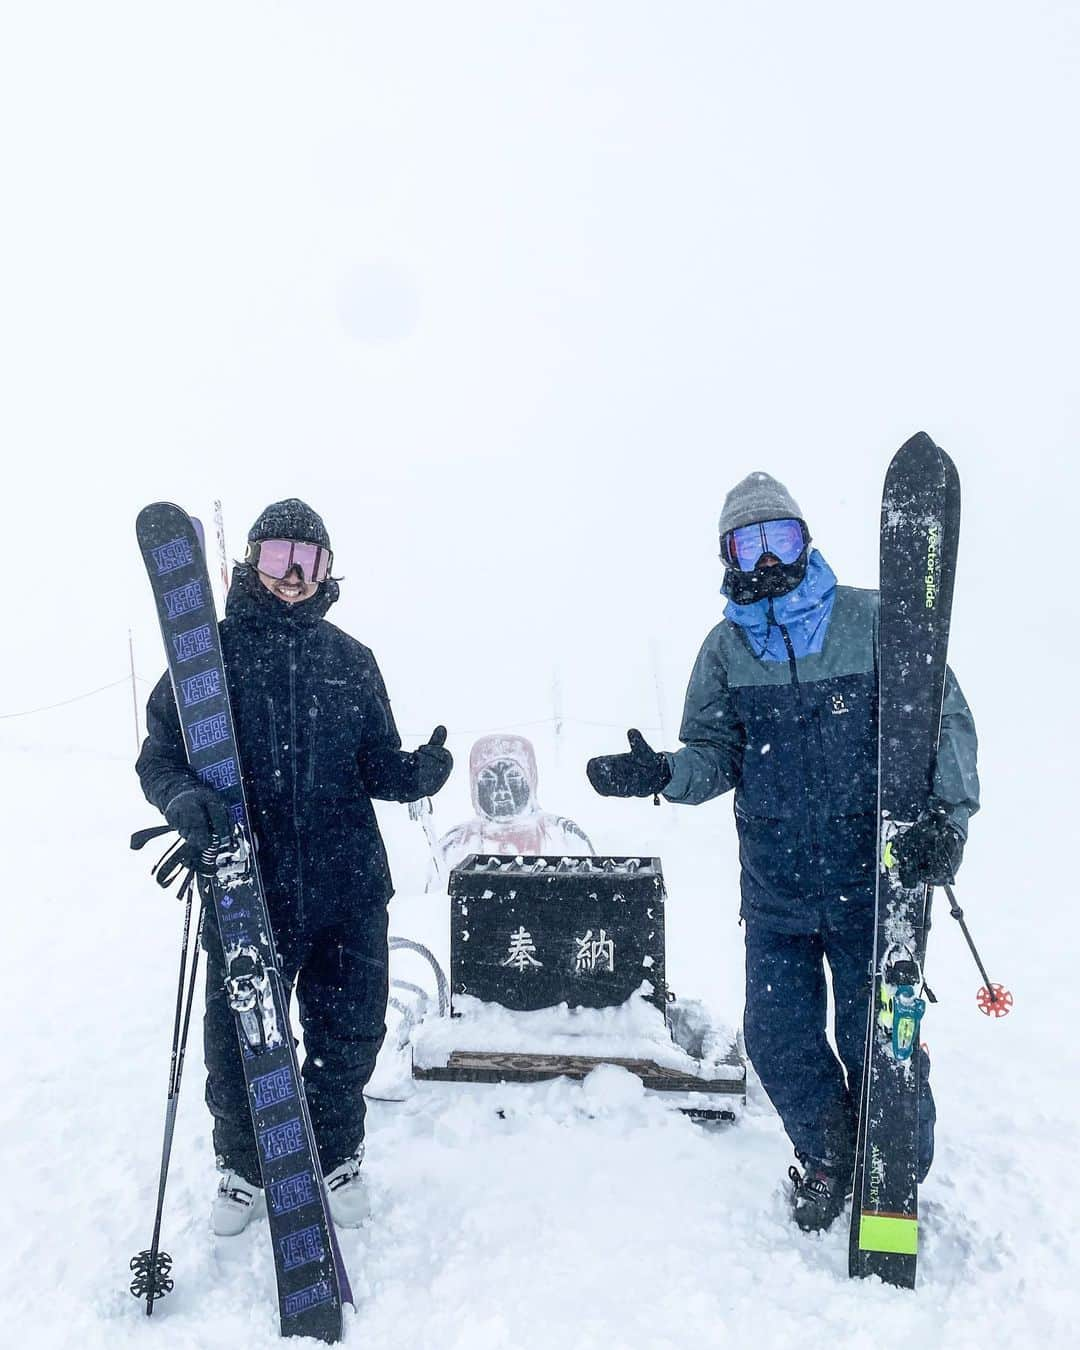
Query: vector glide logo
(933, 563)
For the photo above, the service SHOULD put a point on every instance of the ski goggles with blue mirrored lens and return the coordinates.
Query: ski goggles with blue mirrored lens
(744, 547)
(277, 558)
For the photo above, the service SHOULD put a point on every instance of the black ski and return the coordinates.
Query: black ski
(311, 1278)
(920, 519)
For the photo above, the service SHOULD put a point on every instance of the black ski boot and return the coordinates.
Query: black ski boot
(817, 1196)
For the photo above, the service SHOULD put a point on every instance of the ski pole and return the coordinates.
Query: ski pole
(991, 998)
(152, 1267)
(422, 810)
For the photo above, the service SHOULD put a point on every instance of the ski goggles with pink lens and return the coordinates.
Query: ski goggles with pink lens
(784, 539)
(277, 557)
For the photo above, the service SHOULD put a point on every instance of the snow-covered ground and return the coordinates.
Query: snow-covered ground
(555, 1214)
(513, 294)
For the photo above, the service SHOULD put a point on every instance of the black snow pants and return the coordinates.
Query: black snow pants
(340, 976)
(815, 1094)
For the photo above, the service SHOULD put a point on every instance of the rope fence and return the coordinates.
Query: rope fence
(412, 735)
(76, 698)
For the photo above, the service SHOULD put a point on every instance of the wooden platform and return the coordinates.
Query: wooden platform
(714, 1098)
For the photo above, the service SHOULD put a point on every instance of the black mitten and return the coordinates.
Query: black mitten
(644, 772)
(433, 763)
(200, 815)
(930, 851)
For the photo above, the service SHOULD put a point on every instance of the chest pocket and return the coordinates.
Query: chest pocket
(773, 782)
(333, 714)
(845, 713)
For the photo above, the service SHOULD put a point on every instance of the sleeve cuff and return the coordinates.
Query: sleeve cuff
(680, 778)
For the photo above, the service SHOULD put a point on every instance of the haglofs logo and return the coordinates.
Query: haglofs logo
(838, 705)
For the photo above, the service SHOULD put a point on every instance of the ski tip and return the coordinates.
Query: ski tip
(153, 510)
(923, 448)
(920, 441)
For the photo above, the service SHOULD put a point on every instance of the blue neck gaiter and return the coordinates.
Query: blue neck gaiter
(804, 612)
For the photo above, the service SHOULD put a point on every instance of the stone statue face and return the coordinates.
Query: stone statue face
(502, 789)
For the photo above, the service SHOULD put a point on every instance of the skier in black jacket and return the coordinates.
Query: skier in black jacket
(317, 742)
(782, 708)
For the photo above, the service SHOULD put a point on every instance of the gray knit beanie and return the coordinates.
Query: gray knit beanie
(758, 497)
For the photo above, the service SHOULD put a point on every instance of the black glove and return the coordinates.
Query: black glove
(644, 772)
(433, 764)
(930, 851)
(199, 814)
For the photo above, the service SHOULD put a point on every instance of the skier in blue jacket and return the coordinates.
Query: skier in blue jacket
(782, 708)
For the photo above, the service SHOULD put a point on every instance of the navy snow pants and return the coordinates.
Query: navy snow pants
(340, 974)
(815, 1094)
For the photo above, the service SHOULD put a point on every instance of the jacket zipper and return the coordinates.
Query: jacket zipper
(793, 667)
(295, 787)
(313, 718)
(275, 757)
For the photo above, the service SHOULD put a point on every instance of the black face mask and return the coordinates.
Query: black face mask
(764, 583)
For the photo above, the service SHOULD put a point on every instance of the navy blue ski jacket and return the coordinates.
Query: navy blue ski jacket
(317, 742)
(797, 741)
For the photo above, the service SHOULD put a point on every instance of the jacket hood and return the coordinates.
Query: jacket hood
(488, 749)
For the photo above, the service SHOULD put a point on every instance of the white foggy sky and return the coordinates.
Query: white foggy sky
(512, 293)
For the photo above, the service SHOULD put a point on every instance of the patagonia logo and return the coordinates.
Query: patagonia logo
(838, 705)
(293, 1193)
(303, 1299)
(300, 1249)
(281, 1140)
(273, 1088)
(184, 599)
(198, 688)
(210, 731)
(193, 642)
(221, 775)
(172, 556)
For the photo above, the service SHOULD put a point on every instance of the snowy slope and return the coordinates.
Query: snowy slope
(584, 1216)
(513, 294)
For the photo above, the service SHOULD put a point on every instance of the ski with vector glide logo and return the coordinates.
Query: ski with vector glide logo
(312, 1282)
(920, 520)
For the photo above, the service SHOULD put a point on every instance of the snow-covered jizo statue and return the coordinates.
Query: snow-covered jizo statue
(509, 820)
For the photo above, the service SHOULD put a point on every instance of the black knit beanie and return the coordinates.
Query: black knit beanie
(290, 519)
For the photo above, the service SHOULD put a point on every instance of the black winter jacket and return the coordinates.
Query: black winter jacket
(317, 742)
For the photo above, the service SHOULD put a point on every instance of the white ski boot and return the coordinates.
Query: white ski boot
(237, 1202)
(350, 1203)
